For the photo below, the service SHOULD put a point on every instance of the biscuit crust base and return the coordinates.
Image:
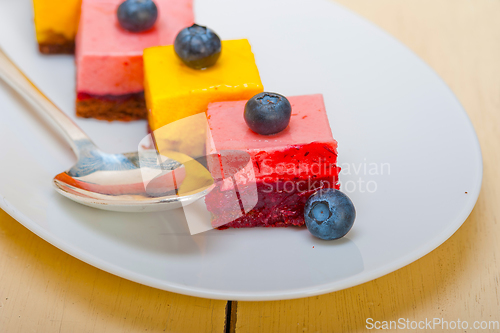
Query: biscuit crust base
(55, 43)
(109, 107)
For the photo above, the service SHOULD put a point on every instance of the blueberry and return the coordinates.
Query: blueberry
(137, 15)
(329, 214)
(267, 113)
(197, 46)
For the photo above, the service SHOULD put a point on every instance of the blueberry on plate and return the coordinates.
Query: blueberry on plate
(137, 15)
(267, 113)
(329, 214)
(197, 46)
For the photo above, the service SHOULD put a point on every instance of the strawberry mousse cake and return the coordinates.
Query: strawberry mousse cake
(110, 75)
(288, 167)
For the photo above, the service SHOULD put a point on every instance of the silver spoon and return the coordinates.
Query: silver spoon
(107, 181)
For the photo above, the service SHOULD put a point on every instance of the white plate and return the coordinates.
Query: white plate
(388, 110)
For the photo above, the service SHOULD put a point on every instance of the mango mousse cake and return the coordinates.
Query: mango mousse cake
(56, 24)
(109, 53)
(175, 91)
(290, 162)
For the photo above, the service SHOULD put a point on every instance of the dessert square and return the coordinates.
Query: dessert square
(288, 166)
(110, 75)
(174, 91)
(56, 23)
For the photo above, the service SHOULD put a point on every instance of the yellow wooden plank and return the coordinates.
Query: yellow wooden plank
(460, 39)
(42, 289)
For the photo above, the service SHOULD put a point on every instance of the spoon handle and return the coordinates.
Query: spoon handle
(15, 78)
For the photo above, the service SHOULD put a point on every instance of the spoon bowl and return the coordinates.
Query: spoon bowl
(116, 181)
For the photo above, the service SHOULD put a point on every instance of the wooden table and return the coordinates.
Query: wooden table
(42, 289)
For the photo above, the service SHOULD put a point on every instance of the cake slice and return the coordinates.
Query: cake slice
(56, 23)
(174, 91)
(288, 166)
(110, 75)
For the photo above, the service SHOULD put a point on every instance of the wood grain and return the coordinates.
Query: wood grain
(460, 39)
(42, 289)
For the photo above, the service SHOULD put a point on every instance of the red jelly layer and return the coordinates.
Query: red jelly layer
(298, 161)
(284, 180)
(280, 204)
(81, 96)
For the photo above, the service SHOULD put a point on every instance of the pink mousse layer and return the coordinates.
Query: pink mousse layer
(308, 123)
(109, 58)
